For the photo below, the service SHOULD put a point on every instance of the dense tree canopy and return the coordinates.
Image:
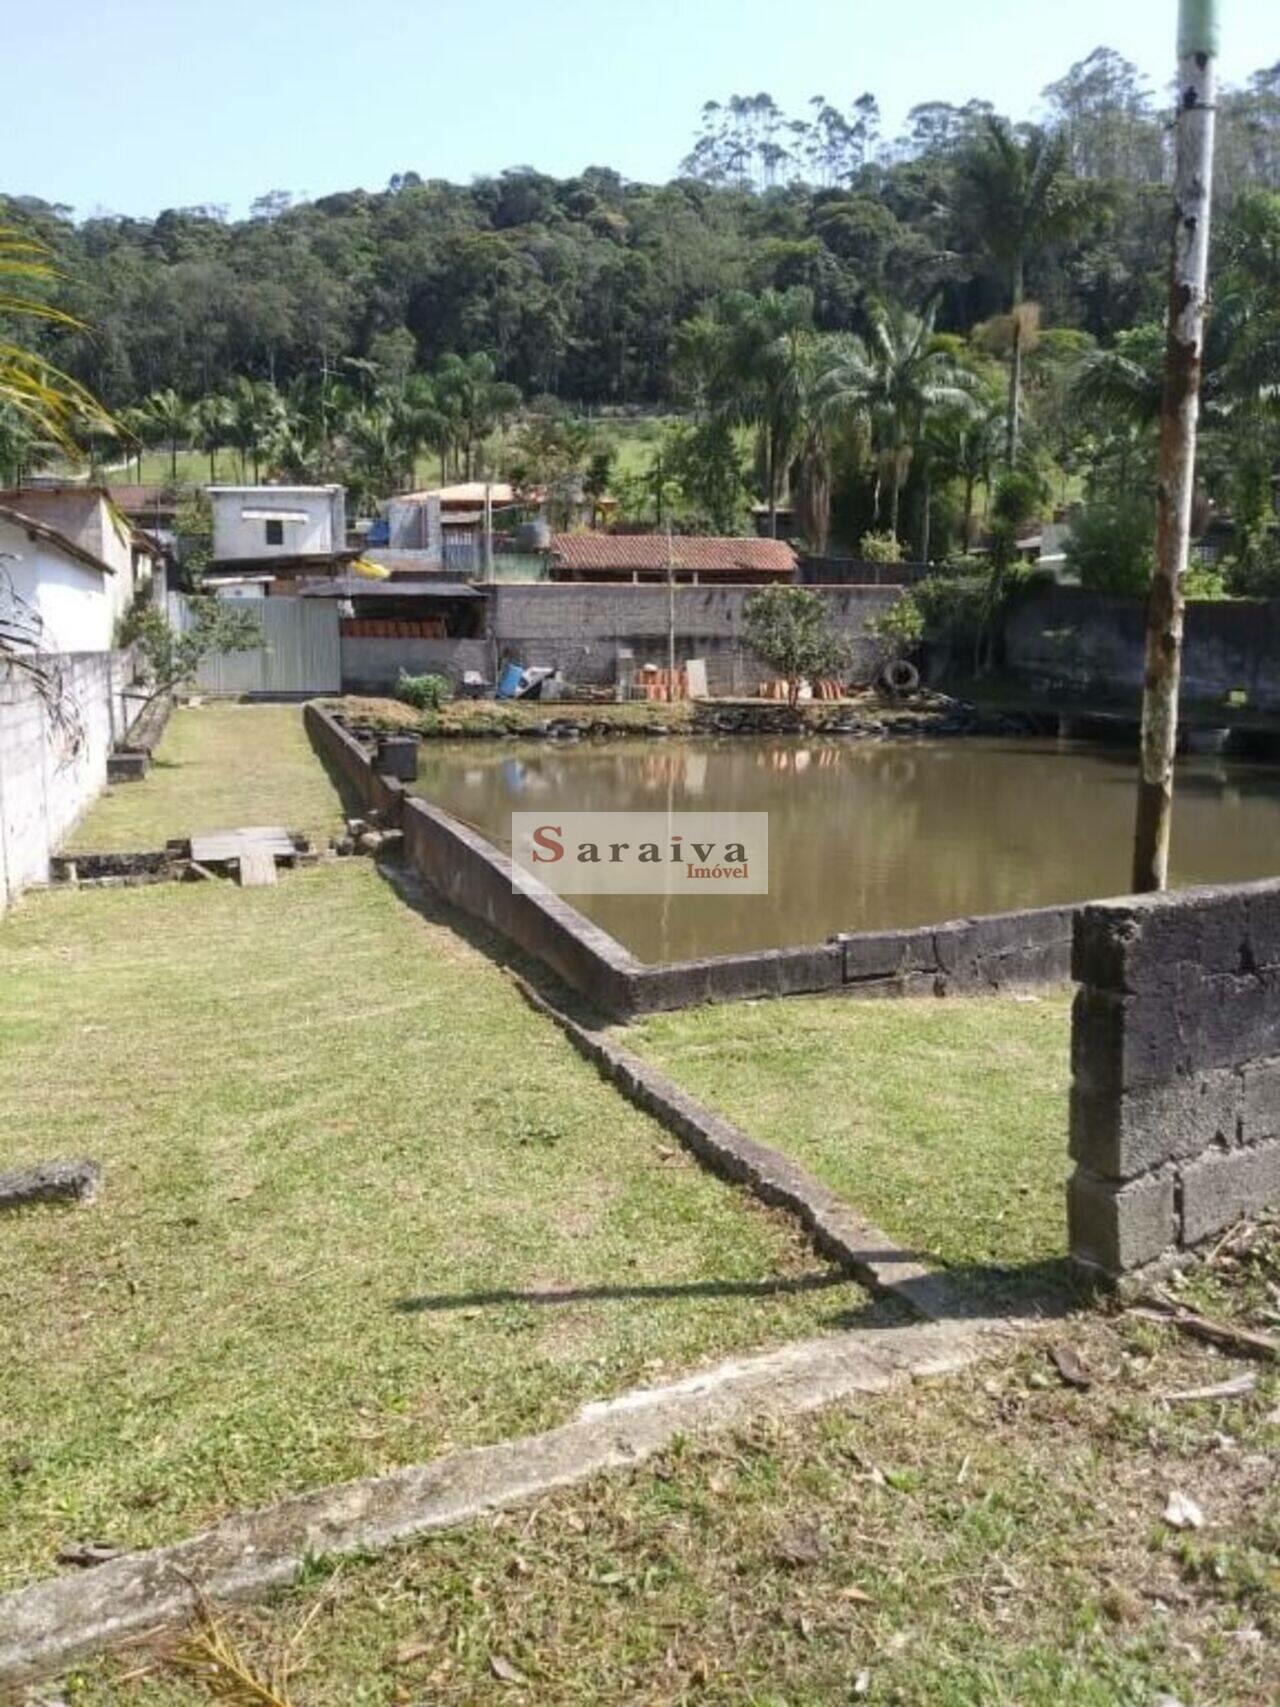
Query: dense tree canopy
(576, 286)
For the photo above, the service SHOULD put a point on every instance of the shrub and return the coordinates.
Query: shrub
(790, 629)
(1254, 573)
(1112, 548)
(881, 548)
(427, 693)
(902, 624)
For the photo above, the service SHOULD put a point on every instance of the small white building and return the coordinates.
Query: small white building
(260, 523)
(73, 565)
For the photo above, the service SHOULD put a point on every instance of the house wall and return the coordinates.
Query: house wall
(580, 628)
(44, 786)
(75, 603)
(84, 517)
(235, 537)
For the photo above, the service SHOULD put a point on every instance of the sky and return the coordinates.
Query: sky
(132, 106)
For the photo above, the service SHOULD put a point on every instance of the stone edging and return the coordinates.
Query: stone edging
(838, 1232)
(48, 1626)
(965, 956)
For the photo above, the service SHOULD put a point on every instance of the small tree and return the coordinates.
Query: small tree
(170, 658)
(1112, 547)
(788, 627)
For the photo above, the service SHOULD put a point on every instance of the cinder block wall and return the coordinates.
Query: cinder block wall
(580, 628)
(1175, 1098)
(44, 786)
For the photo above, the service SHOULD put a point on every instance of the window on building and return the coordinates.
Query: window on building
(275, 533)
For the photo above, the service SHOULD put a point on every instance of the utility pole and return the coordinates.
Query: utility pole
(1193, 200)
(671, 613)
(488, 530)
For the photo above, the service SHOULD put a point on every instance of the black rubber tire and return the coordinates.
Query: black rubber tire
(900, 677)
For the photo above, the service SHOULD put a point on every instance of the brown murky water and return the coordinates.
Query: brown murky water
(866, 836)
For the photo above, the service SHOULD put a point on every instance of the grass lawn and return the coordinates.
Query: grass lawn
(946, 1122)
(218, 766)
(361, 1206)
(995, 1540)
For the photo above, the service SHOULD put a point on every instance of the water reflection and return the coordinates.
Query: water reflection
(865, 836)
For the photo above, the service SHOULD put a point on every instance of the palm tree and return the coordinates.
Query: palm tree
(255, 417)
(907, 379)
(760, 376)
(174, 419)
(212, 423)
(36, 397)
(831, 398)
(1018, 193)
(468, 389)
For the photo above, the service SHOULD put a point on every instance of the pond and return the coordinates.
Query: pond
(870, 836)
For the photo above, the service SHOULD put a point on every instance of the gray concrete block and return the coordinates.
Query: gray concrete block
(1120, 1137)
(50, 1182)
(1223, 1188)
(1120, 1228)
(1137, 945)
(1261, 1111)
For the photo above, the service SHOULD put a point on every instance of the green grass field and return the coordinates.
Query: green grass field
(361, 1204)
(993, 1540)
(218, 766)
(946, 1122)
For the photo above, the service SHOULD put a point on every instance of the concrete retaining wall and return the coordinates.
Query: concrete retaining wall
(1175, 1099)
(961, 957)
(44, 787)
(1091, 645)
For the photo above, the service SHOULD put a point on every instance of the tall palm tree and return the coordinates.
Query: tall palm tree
(212, 420)
(36, 396)
(478, 401)
(255, 416)
(907, 378)
(174, 419)
(1018, 193)
(831, 398)
(762, 376)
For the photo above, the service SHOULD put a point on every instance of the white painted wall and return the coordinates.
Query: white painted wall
(43, 787)
(76, 604)
(82, 515)
(236, 535)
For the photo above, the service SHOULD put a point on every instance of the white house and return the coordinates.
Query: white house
(260, 524)
(73, 566)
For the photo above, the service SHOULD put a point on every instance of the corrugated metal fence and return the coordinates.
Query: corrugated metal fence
(301, 650)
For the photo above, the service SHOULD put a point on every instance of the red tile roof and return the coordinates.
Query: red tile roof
(608, 552)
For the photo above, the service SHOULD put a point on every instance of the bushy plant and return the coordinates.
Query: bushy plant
(881, 548)
(1112, 548)
(790, 629)
(902, 625)
(426, 693)
(1254, 571)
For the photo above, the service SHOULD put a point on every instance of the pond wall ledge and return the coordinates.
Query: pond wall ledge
(1027, 949)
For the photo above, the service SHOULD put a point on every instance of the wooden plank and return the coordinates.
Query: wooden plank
(219, 847)
(257, 866)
